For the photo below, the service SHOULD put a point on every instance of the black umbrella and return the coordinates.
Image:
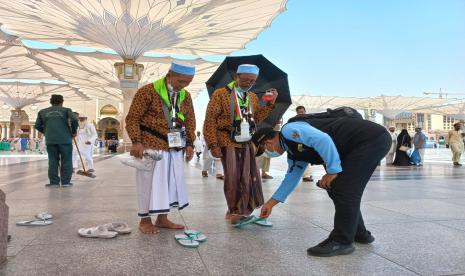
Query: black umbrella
(270, 77)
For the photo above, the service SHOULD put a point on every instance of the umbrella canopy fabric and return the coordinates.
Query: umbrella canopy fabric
(270, 77)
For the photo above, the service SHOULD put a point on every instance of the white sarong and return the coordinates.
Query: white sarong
(164, 187)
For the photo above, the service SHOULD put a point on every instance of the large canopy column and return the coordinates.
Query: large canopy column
(129, 74)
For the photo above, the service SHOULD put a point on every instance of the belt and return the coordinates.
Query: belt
(153, 132)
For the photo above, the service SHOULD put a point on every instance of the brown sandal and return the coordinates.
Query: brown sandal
(204, 173)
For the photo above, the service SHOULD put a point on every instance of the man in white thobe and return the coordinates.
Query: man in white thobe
(199, 145)
(85, 140)
(161, 118)
(392, 150)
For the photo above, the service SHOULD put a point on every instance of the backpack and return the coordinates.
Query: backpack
(340, 112)
(331, 122)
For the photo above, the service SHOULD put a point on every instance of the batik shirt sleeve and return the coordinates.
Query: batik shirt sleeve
(139, 106)
(190, 119)
(210, 125)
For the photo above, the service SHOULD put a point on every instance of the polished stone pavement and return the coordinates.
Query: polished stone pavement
(416, 214)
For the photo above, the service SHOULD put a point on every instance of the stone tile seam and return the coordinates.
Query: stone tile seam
(389, 210)
(394, 262)
(441, 200)
(197, 249)
(448, 226)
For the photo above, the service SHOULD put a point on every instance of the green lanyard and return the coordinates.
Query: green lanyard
(160, 88)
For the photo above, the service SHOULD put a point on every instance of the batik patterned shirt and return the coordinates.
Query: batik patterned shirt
(146, 109)
(217, 125)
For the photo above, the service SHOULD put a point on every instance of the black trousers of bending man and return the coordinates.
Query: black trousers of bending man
(347, 189)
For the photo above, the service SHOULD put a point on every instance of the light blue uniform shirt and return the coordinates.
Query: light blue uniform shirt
(304, 133)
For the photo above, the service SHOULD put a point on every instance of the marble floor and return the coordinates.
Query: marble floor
(416, 214)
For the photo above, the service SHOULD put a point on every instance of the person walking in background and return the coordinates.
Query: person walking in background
(392, 150)
(455, 142)
(208, 161)
(87, 134)
(264, 161)
(59, 125)
(199, 145)
(263, 164)
(307, 176)
(419, 141)
(404, 143)
(112, 145)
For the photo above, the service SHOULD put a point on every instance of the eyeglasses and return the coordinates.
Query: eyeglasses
(247, 80)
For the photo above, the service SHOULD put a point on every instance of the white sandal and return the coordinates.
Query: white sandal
(118, 227)
(44, 216)
(34, 222)
(96, 232)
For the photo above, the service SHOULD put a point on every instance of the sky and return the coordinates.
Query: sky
(368, 47)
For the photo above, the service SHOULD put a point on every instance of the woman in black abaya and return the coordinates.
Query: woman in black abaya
(404, 139)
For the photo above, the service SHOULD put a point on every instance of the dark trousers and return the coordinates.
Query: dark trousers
(347, 189)
(60, 155)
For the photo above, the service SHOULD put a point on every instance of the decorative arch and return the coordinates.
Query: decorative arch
(109, 127)
(108, 111)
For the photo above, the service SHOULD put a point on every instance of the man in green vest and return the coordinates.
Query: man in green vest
(59, 125)
(161, 119)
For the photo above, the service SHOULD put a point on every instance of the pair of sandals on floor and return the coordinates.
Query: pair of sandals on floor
(193, 238)
(105, 231)
(190, 238)
(246, 220)
(41, 219)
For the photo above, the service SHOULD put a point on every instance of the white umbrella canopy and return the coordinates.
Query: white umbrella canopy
(131, 28)
(396, 104)
(390, 113)
(15, 63)
(321, 103)
(19, 95)
(94, 73)
(388, 106)
(454, 108)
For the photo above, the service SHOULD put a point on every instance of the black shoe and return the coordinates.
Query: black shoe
(367, 238)
(67, 185)
(52, 185)
(329, 248)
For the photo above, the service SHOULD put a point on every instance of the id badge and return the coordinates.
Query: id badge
(176, 139)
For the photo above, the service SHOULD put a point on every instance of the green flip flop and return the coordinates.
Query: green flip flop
(246, 221)
(186, 241)
(263, 222)
(196, 235)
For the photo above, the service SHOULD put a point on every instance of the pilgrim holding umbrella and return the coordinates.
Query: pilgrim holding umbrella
(234, 113)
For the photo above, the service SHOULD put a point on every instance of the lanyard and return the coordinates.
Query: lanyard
(173, 105)
(237, 103)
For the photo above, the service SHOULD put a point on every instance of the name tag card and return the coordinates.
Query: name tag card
(176, 139)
